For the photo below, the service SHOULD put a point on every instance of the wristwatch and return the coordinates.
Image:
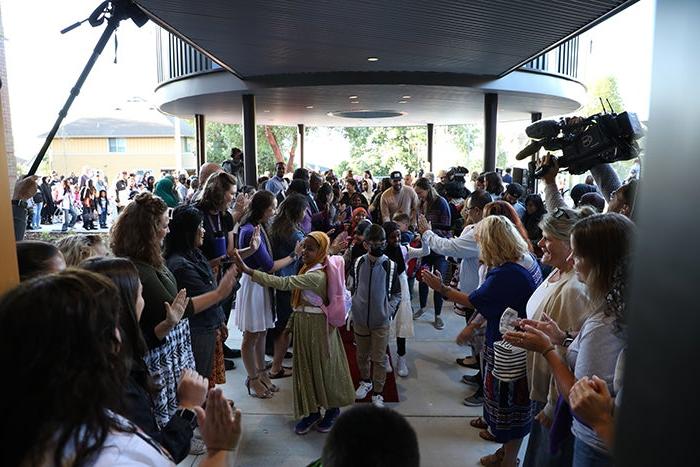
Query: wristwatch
(188, 415)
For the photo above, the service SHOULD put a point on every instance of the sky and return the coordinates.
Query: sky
(43, 64)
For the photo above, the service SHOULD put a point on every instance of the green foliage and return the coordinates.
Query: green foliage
(604, 88)
(383, 149)
(221, 137)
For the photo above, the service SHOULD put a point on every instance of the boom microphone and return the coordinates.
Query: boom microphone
(529, 150)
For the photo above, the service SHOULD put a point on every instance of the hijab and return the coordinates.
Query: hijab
(320, 258)
(165, 190)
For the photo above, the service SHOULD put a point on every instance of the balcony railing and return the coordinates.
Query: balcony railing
(563, 60)
(176, 58)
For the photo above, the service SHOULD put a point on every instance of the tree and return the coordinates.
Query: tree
(605, 88)
(383, 149)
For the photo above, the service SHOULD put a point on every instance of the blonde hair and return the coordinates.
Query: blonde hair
(76, 248)
(499, 241)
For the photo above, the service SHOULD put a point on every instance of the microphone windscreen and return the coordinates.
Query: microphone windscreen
(529, 150)
(543, 129)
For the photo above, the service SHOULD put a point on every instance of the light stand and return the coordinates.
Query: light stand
(114, 12)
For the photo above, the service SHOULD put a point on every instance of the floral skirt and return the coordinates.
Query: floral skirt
(165, 365)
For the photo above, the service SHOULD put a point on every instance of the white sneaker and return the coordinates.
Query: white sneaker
(378, 400)
(387, 363)
(401, 367)
(364, 389)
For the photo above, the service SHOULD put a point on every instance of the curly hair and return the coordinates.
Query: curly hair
(63, 327)
(135, 233)
(214, 189)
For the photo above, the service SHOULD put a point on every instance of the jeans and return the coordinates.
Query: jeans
(36, 221)
(435, 263)
(586, 456)
(73, 218)
(103, 219)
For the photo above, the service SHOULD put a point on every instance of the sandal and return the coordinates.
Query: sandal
(469, 362)
(495, 459)
(265, 380)
(265, 395)
(485, 434)
(283, 373)
(479, 423)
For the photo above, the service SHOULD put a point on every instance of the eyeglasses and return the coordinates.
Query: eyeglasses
(559, 213)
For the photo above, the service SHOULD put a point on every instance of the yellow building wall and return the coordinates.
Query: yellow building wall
(68, 155)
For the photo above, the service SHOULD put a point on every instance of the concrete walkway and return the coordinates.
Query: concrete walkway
(431, 399)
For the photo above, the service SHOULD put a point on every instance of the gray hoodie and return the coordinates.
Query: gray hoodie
(376, 291)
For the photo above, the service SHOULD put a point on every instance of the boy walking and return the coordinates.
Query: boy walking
(376, 295)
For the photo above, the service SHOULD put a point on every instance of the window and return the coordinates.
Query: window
(187, 145)
(117, 145)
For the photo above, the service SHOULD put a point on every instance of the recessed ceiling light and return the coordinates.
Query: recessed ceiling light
(309, 106)
(405, 97)
(352, 97)
(372, 59)
(402, 102)
(266, 111)
(354, 102)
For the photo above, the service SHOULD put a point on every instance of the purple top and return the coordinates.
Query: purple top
(261, 259)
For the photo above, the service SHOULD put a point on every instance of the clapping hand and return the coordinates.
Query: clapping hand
(228, 281)
(432, 280)
(548, 326)
(591, 401)
(192, 389)
(175, 311)
(220, 424)
(530, 339)
(298, 248)
(238, 261)
(423, 224)
(256, 239)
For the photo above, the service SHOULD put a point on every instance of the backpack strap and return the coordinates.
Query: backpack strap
(356, 269)
(390, 268)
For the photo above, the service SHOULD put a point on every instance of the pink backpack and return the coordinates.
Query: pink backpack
(339, 299)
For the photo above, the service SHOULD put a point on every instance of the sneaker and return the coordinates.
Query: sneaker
(197, 446)
(387, 363)
(307, 423)
(401, 367)
(417, 314)
(439, 325)
(378, 400)
(362, 390)
(472, 379)
(476, 400)
(329, 418)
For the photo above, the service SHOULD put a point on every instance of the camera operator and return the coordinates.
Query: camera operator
(620, 198)
(234, 166)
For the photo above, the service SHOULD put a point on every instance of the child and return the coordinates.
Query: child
(102, 208)
(376, 294)
(411, 239)
(355, 249)
(402, 325)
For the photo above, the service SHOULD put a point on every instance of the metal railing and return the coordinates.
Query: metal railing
(563, 60)
(176, 58)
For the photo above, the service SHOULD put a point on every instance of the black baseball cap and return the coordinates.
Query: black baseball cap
(515, 189)
(396, 175)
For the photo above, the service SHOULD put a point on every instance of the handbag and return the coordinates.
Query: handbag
(510, 362)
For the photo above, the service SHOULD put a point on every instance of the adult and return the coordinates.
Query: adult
(181, 187)
(193, 273)
(513, 195)
(493, 184)
(601, 246)
(137, 235)
(367, 190)
(76, 248)
(535, 210)
(234, 166)
(563, 298)
(300, 186)
(398, 198)
(120, 191)
(176, 435)
(70, 215)
(88, 193)
(594, 200)
(437, 211)
(315, 182)
(49, 208)
(150, 184)
(36, 258)
(205, 171)
(507, 285)
(253, 310)
(73, 317)
(38, 202)
(277, 183)
(165, 190)
(350, 189)
(285, 233)
(24, 189)
(324, 220)
(321, 375)
(507, 177)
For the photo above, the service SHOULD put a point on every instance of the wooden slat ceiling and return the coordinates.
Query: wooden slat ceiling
(283, 37)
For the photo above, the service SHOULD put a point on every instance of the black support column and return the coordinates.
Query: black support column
(250, 160)
(532, 164)
(430, 147)
(200, 140)
(301, 144)
(490, 123)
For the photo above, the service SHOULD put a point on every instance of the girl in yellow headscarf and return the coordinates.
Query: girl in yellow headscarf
(320, 374)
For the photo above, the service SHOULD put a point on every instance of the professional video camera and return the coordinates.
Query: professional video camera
(458, 174)
(585, 142)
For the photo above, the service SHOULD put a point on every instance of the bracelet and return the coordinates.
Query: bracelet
(547, 350)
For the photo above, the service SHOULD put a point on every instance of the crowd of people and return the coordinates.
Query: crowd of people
(131, 333)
